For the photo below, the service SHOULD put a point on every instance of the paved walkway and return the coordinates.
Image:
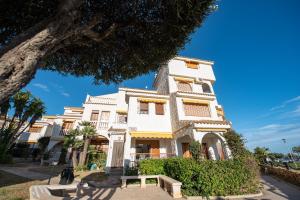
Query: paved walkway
(276, 189)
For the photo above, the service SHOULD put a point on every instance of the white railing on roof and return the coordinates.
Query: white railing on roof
(101, 100)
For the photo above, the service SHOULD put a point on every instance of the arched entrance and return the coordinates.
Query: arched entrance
(213, 147)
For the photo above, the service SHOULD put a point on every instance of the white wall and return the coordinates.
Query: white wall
(204, 71)
(150, 121)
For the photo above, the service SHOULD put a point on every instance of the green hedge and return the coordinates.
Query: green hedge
(287, 175)
(206, 178)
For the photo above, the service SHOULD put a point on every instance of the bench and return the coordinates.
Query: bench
(168, 184)
(171, 185)
(38, 192)
(141, 177)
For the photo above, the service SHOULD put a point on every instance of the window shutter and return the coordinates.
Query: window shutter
(198, 110)
(159, 109)
(182, 86)
(144, 107)
(94, 115)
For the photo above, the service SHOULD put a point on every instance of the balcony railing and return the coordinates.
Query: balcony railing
(103, 125)
(63, 132)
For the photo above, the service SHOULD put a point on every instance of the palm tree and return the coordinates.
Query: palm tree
(87, 131)
(27, 109)
(72, 140)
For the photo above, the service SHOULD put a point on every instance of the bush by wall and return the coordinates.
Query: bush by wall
(207, 178)
(289, 176)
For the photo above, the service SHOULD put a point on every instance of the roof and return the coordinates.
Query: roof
(194, 59)
(137, 90)
(73, 108)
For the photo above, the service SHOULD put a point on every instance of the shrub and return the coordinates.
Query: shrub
(196, 150)
(289, 176)
(131, 171)
(152, 166)
(99, 158)
(206, 178)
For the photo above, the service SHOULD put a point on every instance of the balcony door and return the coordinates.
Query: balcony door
(147, 148)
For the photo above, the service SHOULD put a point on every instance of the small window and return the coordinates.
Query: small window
(198, 110)
(144, 107)
(159, 109)
(94, 115)
(192, 65)
(122, 118)
(184, 86)
(206, 88)
(104, 116)
(35, 129)
(67, 125)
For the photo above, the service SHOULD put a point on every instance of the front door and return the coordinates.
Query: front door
(186, 150)
(154, 149)
(117, 154)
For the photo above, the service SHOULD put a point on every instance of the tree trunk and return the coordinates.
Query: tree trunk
(74, 158)
(84, 153)
(20, 61)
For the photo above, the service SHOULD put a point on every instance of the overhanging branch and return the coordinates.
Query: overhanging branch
(98, 37)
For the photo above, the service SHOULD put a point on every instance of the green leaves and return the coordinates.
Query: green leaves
(207, 178)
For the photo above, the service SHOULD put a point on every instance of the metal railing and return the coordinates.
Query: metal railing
(136, 157)
(63, 132)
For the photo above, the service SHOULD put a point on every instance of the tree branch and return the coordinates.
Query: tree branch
(98, 37)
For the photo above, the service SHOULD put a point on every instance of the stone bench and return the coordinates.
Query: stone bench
(42, 192)
(168, 184)
(141, 177)
(171, 185)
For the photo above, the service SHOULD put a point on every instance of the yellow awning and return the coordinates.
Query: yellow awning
(195, 101)
(192, 64)
(151, 134)
(187, 80)
(121, 111)
(152, 100)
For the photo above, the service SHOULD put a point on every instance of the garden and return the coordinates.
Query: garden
(202, 177)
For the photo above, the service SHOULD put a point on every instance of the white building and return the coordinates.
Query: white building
(135, 124)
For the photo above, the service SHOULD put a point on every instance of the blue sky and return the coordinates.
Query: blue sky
(256, 48)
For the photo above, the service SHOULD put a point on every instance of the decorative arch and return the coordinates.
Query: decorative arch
(206, 88)
(214, 146)
(184, 86)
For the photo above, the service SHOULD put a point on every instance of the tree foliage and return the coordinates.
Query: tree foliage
(196, 150)
(236, 143)
(26, 110)
(261, 153)
(109, 40)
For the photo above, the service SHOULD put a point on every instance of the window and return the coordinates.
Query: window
(184, 86)
(94, 115)
(104, 116)
(35, 129)
(206, 88)
(191, 64)
(144, 107)
(67, 125)
(198, 110)
(159, 109)
(122, 118)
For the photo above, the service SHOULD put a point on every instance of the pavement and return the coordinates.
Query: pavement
(276, 189)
